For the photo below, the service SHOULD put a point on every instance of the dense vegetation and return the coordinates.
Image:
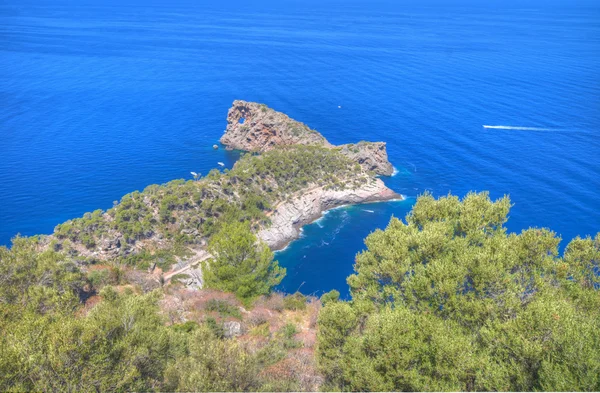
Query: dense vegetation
(239, 264)
(447, 300)
(451, 301)
(77, 316)
(51, 342)
(158, 224)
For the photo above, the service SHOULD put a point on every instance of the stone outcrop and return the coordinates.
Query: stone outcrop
(258, 128)
(305, 207)
(371, 155)
(232, 329)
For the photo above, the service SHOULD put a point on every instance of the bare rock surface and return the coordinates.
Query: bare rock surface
(232, 329)
(309, 205)
(371, 155)
(255, 127)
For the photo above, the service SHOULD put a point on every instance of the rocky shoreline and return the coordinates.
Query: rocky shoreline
(257, 128)
(289, 217)
(293, 176)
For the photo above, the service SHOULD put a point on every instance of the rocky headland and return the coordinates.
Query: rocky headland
(296, 176)
(257, 128)
(290, 216)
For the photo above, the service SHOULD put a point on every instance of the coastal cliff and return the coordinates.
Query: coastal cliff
(370, 155)
(307, 206)
(257, 128)
(296, 177)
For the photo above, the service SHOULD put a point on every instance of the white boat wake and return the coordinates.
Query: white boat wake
(518, 128)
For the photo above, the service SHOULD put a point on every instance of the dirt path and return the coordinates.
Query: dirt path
(193, 262)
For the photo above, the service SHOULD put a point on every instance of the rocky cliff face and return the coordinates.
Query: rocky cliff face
(256, 127)
(371, 155)
(305, 207)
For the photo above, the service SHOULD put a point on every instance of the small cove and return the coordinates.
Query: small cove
(322, 258)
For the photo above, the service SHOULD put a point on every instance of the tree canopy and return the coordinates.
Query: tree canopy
(51, 342)
(240, 263)
(450, 300)
(446, 300)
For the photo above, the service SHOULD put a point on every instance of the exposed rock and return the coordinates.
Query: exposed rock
(215, 147)
(371, 155)
(258, 128)
(308, 206)
(194, 279)
(262, 130)
(232, 329)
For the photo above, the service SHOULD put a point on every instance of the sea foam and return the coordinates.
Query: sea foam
(518, 128)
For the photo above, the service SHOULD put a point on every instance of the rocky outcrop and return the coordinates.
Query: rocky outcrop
(232, 329)
(288, 217)
(371, 155)
(258, 128)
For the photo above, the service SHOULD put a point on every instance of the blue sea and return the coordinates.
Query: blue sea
(100, 99)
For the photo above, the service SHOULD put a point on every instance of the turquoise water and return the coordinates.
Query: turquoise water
(100, 99)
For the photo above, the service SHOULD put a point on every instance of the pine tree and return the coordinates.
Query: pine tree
(240, 264)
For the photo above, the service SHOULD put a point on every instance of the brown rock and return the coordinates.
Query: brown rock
(256, 127)
(371, 155)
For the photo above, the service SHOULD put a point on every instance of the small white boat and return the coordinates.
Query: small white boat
(220, 164)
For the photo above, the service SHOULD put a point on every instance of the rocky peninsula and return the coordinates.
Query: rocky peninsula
(292, 177)
(257, 128)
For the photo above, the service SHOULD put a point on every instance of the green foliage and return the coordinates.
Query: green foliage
(223, 308)
(289, 330)
(101, 278)
(185, 327)
(446, 301)
(121, 344)
(297, 301)
(451, 301)
(162, 258)
(294, 168)
(240, 265)
(216, 328)
(173, 216)
(33, 281)
(288, 333)
(331, 296)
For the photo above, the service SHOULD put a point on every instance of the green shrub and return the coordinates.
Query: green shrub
(297, 301)
(450, 301)
(215, 327)
(239, 265)
(223, 308)
(100, 278)
(289, 330)
(186, 327)
(331, 296)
